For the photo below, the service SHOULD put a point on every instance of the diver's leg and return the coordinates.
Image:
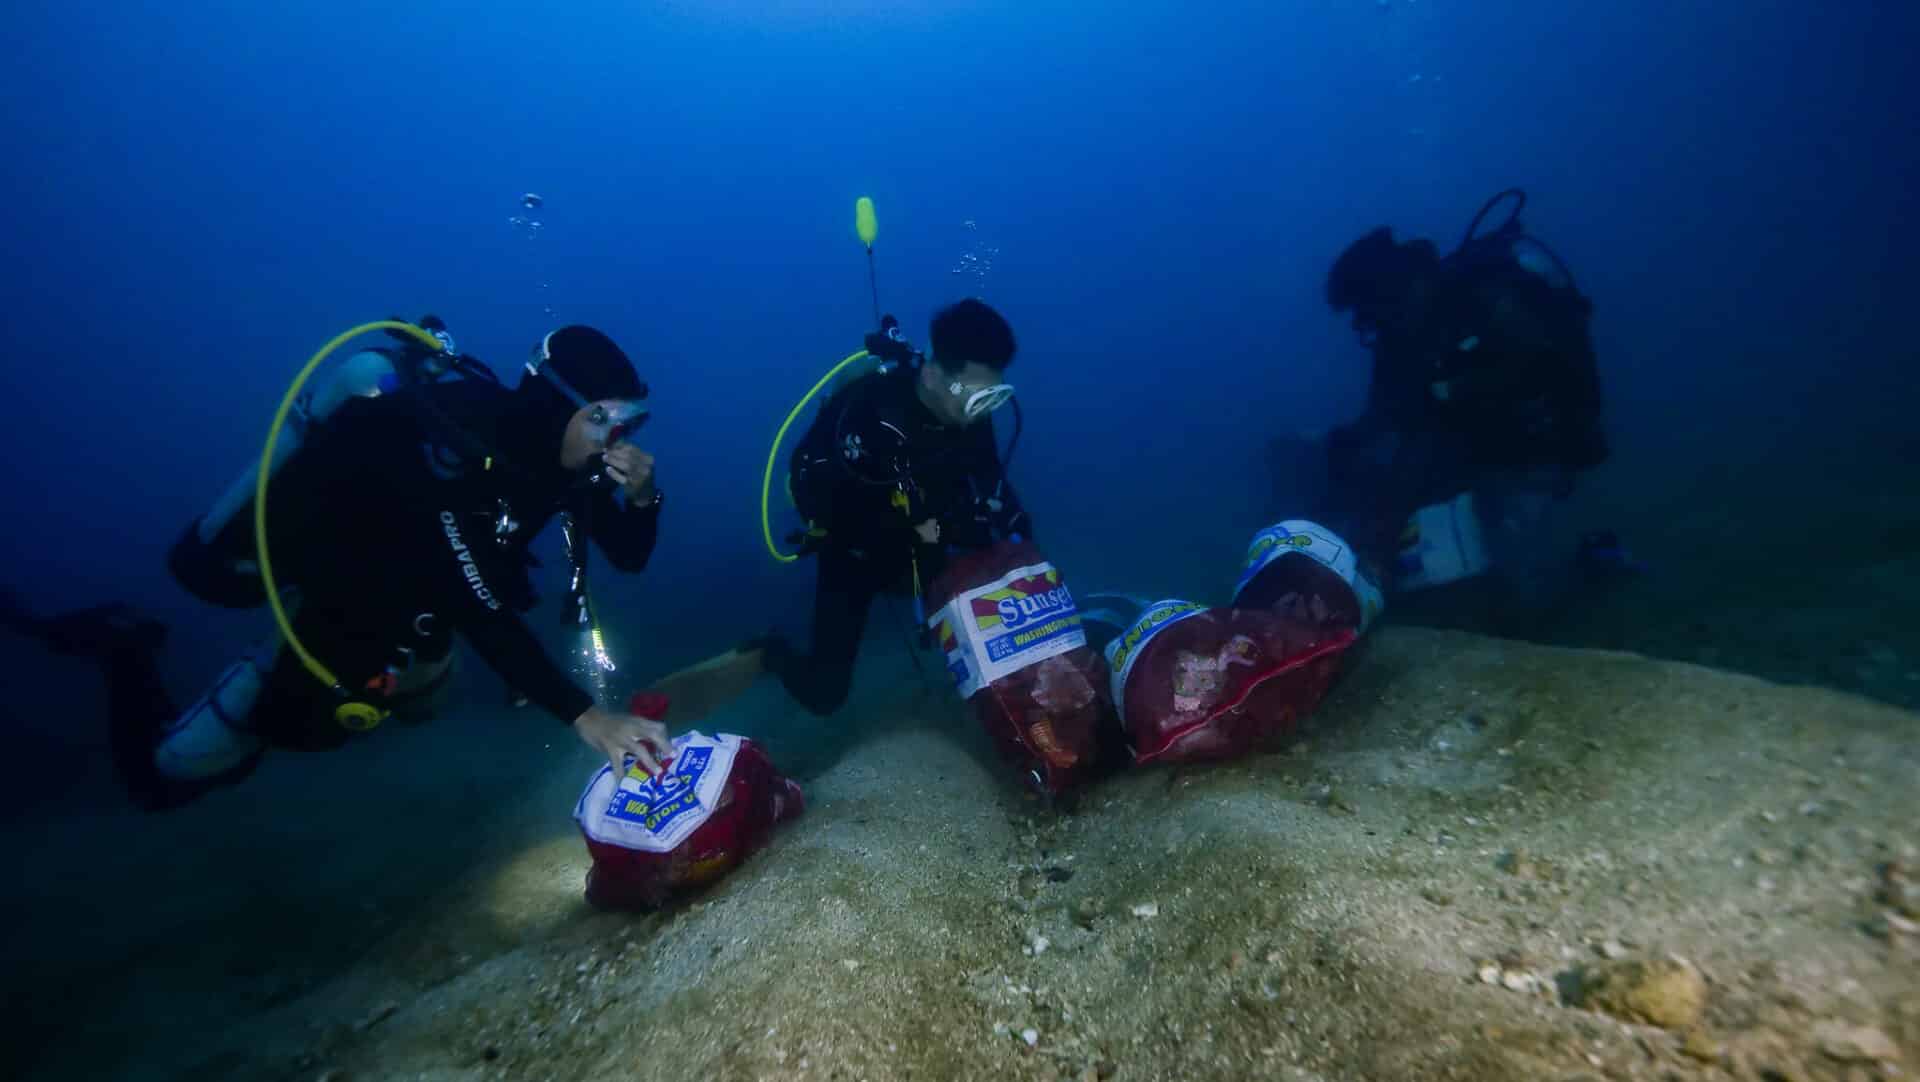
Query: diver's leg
(126, 646)
(1379, 478)
(295, 711)
(842, 598)
(214, 741)
(266, 698)
(90, 632)
(1530, 575)
(138, 707)
(220, 568)
(141, 719)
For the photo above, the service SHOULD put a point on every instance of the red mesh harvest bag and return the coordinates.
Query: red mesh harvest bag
(715, 802)
(1305, 571)
(1195, 683)
(1016, 651)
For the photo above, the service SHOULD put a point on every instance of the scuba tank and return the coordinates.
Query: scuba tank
(1509, 244)
(368, 374)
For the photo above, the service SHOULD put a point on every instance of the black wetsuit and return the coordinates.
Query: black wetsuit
(1500, 376)
(875, 438)
(397, 534)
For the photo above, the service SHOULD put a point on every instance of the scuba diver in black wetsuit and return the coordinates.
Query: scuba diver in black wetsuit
(403, 519)
(899, 467)
(1484, 381)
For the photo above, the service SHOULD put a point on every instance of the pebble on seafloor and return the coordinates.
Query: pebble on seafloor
(1699, 1046)
(1855, 1044)
(1146, 910)
(1519, 982)
(1522, 866)
(1665, 992)
(379, 1015)
(1900, 890)
(1513, 980)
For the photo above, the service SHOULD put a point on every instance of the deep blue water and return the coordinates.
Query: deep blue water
(203, 193)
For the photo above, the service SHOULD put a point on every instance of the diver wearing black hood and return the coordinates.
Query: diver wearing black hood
(898, 470)
(406, 517)
(1484, 379)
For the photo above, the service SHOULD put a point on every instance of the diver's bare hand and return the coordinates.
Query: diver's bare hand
(617, 736)
(632, 469)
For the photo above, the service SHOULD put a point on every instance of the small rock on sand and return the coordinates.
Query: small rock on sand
(1855, 1044)
(379, 1015)
(1900, 889)
(1663, 992)
(1697, 1045)
(1521, 866)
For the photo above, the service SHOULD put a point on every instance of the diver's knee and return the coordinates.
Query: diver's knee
(214, 571)
(823, 692)
(819, 689)
(213, 735)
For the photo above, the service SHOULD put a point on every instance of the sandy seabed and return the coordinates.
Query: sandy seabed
(1482, 860)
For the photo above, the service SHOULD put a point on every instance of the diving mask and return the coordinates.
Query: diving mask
(982, 400)
(613, 422)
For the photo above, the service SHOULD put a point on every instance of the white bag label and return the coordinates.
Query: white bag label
(1316, 542)
(1122, 652)
(654, 815)
(1442, 544)
(1021, 618)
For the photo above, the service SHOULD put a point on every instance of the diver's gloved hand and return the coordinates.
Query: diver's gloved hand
(618, 736)
(631, 469)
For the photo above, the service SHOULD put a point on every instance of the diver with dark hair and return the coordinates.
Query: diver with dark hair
(403, 519)
(1484, 390)
(899, 468)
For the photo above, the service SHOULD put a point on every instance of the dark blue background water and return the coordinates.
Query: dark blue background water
(203, 193)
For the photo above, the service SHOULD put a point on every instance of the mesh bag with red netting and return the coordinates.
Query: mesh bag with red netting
(1011, 634)
(713, 804)
(1196, 683)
